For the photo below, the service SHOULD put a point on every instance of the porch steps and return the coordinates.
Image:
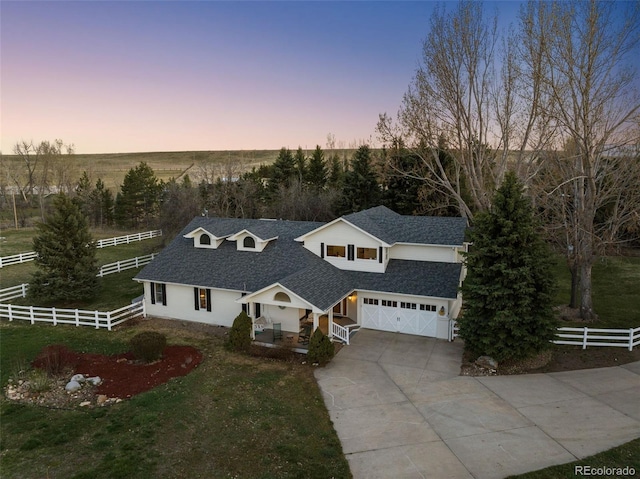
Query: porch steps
(353, 329)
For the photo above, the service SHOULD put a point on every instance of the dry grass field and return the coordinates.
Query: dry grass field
(112, 167)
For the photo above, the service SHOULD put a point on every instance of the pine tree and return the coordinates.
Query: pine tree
(300, 160)
(507, 293)
(283, 170)
(139, 198)
(66, 262)
(317, 170)
(361, 190)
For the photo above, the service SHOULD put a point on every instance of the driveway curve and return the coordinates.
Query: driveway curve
(402, 411)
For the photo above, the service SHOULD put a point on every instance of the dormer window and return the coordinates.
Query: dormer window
(205, 239)
(249, 242)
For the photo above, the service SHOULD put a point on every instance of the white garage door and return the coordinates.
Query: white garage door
(399, 316)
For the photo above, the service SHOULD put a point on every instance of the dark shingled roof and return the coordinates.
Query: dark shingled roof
(287, 262)
(392, 228)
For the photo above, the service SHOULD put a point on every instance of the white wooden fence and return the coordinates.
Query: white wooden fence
(126, 264)
(620, 338)
(13, 292)
(103, 243)
(132, 238)
(17, 258)
(77, 317)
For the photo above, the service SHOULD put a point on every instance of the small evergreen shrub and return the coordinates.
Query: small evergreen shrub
(148, 346)
(240, 333)
(321, 349)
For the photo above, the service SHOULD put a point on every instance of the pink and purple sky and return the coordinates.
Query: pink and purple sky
(131, 76)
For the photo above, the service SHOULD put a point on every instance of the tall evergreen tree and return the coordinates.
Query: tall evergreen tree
(300, 160)
(317, 170)
(66, 262)
(361, 189)
(336, 171)
(507, 293)
(139, 198)
(283, 170)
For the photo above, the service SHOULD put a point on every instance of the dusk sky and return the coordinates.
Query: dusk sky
(171, 76)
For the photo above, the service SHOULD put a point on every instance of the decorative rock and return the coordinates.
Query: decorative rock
(487, 362)
(94, 380)
(101, 399)
(72, 386)
(85, 403)
(77, 378)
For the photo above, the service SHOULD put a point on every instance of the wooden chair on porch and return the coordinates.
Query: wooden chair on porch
(277, 331)
(305, 334)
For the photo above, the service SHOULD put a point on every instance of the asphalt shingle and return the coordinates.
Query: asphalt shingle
(287, 262)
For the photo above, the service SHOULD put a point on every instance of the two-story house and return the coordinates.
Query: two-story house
(374, 269)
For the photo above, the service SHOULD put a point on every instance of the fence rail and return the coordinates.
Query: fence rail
(616, 338)
(13, 292)
(131, 263)
(17, 258)
(20, 291)
(620, 338)
(103, 243)
(132, 238)
(77, 317)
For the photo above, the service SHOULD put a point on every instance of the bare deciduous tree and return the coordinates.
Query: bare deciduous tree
(586, 53)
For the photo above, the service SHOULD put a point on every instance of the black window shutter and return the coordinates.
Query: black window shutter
(208, 299)
(196, 298)
(164, 294)
(350, 252)
(380, 254)
(153, 292)
(322, 250)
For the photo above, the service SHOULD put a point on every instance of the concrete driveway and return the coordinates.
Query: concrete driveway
(401, 411)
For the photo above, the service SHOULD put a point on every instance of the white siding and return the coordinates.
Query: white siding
(180, 305)
(442, 254)
(342, 234)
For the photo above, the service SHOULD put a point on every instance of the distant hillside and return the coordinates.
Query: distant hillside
(112, 167)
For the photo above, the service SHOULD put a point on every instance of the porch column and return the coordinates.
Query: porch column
(316, 321)
(250, 310)
(330, 323)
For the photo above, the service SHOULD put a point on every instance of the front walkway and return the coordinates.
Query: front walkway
(401, 411)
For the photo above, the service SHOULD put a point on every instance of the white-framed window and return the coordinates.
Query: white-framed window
(336, 251)
(389, 304)
(202, 299)
(205, 239)
(158, 293)
(404, 305)
(370, 301)
(368, 253)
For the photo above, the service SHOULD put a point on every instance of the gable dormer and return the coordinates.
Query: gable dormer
(204, 239)
(248, 241)
(347, 247)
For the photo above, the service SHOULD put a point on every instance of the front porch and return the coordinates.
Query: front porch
(290, 339)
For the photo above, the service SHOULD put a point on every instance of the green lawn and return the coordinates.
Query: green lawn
(627, 455)
(233, 416)
(21, 273)
(616, 290)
